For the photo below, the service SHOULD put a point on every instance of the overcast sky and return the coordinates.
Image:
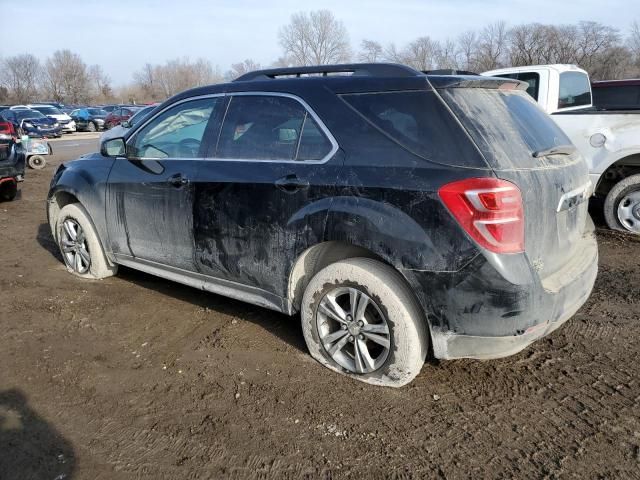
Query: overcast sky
(123, 35)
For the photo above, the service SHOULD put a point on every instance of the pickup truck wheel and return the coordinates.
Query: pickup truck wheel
(37, 162)
(622, 205)
(79, 244)
(360, 318)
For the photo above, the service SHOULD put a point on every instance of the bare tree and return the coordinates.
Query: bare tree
(468, 50)
(420, 54)
(162, 81)
(370, 51)
(447, 55)
(20, 75)
(315, 38)
(239, 69)
(492, 46)
(66, 78)
(101, 83)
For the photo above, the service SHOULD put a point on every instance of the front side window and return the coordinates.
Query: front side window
(176, 133)
(575, 90)
(261, 127)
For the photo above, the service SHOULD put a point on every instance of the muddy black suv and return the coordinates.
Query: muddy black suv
(398, 212)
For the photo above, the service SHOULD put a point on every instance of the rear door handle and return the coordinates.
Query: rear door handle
(291, 184)
(177, 180)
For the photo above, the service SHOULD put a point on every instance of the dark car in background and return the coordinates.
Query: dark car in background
(399, 213)
(119, 115)
(12, 161)
(616, 94)
(89, 119)
(120, 130)
(32, 123)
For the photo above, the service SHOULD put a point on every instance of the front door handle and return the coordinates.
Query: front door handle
(177, 180)
(291, 184)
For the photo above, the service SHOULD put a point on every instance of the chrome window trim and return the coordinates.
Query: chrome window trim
(305, 105)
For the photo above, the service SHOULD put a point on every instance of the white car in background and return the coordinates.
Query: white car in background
(65, 121)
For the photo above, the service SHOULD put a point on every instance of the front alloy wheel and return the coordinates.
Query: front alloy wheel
(73, 244)
(353, 330)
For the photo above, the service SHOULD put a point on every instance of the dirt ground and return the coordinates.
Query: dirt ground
(137, 377)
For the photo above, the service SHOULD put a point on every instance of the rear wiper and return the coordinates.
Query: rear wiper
(557, 150)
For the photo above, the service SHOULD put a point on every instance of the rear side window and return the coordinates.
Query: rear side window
(262, 127)
(532, 79)
(575, 90)
(419, 122)
(507, 125)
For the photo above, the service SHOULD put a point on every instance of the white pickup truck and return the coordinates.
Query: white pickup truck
(608, 140)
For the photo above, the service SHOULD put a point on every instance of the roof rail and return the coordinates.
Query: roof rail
(360, 69)
(448, 71)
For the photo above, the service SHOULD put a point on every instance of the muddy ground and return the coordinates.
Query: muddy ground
(137, 377)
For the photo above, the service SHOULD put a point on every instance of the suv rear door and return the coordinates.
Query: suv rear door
(523, 145)
(150, 193)
(263, 197)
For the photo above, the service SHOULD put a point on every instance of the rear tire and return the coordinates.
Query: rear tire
(37, 162)
(391, 317)
(8, 191)
(79, 244)
(622, 205)
(92, 127)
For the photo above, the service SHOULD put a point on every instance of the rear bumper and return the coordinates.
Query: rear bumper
(503, 319)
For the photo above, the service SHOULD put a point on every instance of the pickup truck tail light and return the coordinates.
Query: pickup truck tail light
(489, 210)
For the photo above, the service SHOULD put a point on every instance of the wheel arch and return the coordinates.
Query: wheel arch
(618, 170)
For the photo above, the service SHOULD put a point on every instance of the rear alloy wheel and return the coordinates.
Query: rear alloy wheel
(622, 205)
(92, 127)
(360, 318)
(353, 330)
(79, 244)
(37, 162)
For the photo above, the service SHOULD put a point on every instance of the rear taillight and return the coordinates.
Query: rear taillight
(490, 211)
(6, 128)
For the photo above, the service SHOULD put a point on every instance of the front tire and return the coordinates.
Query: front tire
(79, 244)
(622, 205)
(360, 318)
(92, 127)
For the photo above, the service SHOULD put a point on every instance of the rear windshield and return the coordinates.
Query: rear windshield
(575, 90)
(507, 125)
(419, 122)
(618, 97)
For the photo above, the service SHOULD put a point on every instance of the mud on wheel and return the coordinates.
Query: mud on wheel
(79, 244)
(37, 162)
(360, 318)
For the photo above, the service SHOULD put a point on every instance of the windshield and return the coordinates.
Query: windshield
(48, 110)
(22, 114)
(97, 111)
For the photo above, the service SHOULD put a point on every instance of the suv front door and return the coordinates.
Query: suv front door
(264, 196)
(150, 193)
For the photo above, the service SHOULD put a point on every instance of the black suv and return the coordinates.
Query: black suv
(398, 212)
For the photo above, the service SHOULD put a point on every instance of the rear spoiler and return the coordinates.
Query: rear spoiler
(474, 81)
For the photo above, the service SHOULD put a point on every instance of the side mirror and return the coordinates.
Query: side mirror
(114, 147)
(126, 124)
